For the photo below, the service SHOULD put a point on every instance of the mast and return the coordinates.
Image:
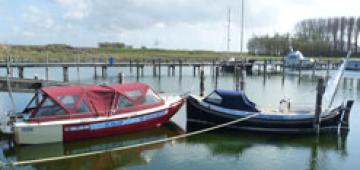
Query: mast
(228, 31)
(333, 84)
(242, 28)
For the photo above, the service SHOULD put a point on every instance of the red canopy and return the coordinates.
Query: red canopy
(100, 97)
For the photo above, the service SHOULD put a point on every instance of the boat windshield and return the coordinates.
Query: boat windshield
(214, 98)
(68, 101)
(34, 102)
(124, 102)
(150, 97)
(49, 108)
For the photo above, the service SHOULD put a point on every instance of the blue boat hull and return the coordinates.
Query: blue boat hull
(199, 115)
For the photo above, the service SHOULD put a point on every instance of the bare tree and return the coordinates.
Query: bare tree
(342, 32)
(350, 31)
(356, 34)
(335, 30)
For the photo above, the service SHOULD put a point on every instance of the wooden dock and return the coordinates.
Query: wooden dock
(20, 84)
(27, 85)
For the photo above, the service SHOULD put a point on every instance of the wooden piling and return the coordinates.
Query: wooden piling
(265, 67)
(142, 70)
(283, 67)
(173, 69)
(47, 67)
(180, 67)
(21, 72)
(154, 67)
(202, 79)
(137, 73)
(346, 114)
(299, 69)
(66, 73)
(159, 68)
(95, 72)
(216, 76)
(194, 70)
(237, 73)
(242, 79)
(168, 70)
(318, 108)
(313, 69)
(104, 71)
(130, 65)
(121, 78)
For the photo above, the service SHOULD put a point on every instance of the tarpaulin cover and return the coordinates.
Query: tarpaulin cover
(234, 100)
(99, 96)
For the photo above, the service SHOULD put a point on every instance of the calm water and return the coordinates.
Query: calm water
(214, 150)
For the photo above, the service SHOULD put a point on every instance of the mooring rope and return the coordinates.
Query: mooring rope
(56, 158)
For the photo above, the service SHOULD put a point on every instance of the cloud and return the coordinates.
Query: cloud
(75, 9)
(190, 24)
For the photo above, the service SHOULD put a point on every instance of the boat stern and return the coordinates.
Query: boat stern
(30, 133)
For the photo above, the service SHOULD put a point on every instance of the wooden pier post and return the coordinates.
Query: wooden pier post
(173, 70)
(95, 72)
(242, 80)
(299, 69)
(216, 76)
(202, 79)
(265, 67)
(154, 67)
(313, 69)
(283, 67)
(194, 70)
(237, 85)
(104, 71)
(142, 70)
(180, 67)
(346, 114)
(121, 78)
(47, 67)
(318, 108)
(137, 73)
(21, 72)
(37, 96)
(328, 65)
(213, 67)
(159, 68)
(130, 65)
(168, 70)
(66, 73)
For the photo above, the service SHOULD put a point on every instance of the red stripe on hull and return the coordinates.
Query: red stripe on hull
(151, 123)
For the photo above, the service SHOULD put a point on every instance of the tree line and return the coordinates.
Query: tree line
(313, 37)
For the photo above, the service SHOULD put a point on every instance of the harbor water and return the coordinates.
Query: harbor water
(218, 149)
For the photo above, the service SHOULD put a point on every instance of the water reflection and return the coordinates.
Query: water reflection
(113, 160)
(239, 145)
(251, 151)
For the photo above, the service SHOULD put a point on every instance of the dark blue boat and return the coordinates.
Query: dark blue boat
(222, 106)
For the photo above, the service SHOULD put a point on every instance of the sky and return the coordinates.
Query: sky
(169, 24)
